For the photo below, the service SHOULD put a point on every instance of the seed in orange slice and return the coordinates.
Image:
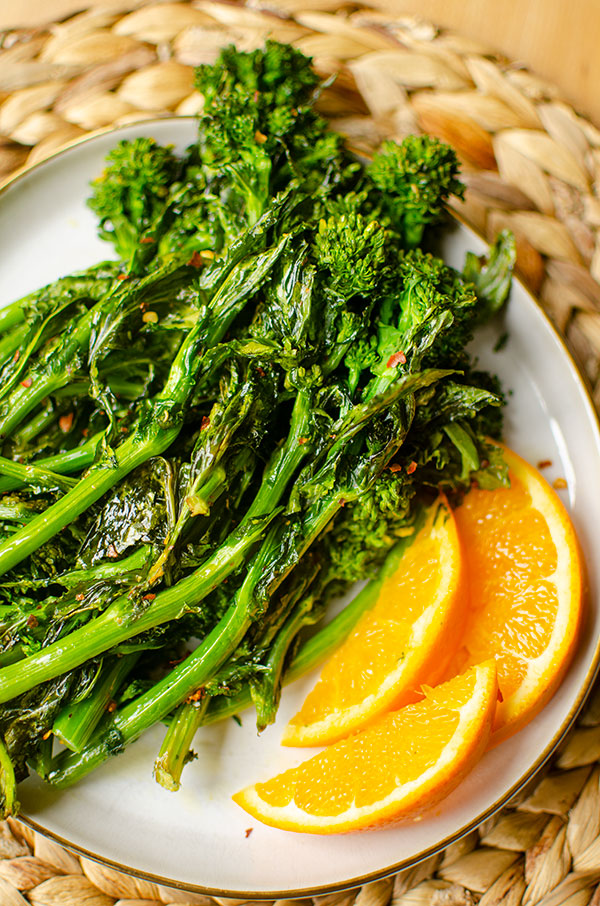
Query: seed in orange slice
(404, 640)
(524, 572)
(402, 763)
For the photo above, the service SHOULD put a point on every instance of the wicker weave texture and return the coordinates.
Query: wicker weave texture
(530, 162)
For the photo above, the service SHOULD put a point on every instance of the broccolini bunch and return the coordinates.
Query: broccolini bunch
(214, 435)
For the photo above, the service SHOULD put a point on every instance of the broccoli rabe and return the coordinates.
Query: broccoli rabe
(415, 179)
(235, 421)
(129, 196)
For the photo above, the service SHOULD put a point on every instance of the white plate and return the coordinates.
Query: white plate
(197, 838)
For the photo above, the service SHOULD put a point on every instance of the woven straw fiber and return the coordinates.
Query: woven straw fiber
(530, 163)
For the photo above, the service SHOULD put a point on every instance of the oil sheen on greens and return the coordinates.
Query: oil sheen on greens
(207, 439)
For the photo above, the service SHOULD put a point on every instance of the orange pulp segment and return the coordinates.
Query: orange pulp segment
(403, 762)
(405, 639)
(524, 573)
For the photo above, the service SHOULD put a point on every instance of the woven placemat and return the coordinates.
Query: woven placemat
(530, 162)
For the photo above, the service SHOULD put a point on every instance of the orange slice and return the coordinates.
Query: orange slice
(525, 573)
(407, 638)
(404, 762)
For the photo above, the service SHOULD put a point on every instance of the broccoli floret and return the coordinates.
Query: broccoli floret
(415, 179)
(352, 248)
(259, 129)
(130, 195)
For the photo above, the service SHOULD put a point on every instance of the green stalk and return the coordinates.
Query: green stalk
(132, 453)
(29, 394)
(286, 460)
(41, 760)
(12, 315)
(266, 690)
(175, 750)
(35, 474)
(74, 460)
(76, 722)
(11, 341)
(39, 422)
(8, 784)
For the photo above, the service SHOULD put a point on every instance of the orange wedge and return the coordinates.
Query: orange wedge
(404, 762)
(525, 577)
(407, 638)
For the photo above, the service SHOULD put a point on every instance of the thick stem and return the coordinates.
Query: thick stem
(286, 460)
(11, 342)
(8, 784)
(35, 426)
(35, 474)
(12, 315)
(74, 460)
(267, 689)
(175, 750)
(76, 722)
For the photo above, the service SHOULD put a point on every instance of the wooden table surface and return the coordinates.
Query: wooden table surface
(558, 39)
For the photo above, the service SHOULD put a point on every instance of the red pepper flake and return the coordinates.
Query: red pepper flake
(27, 382)
(111, 706)
(16, 356)
(79, 597)
(32, 621)
(395, 467)
(148, 597)
(204, 423)
(544, 464)
(398, 358)
(124, 429)
(260, 137)
(196, 696)
(112, 551)
(47, 735)
(260, 371)
(147, 240)
(255, 97)
(559, 484)
(65, 423)
(411, 467)
(178, 660)
(195, 260)
(500, 696)
(85, 432)
(248, 831)
(123, 277)
(302, 440)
